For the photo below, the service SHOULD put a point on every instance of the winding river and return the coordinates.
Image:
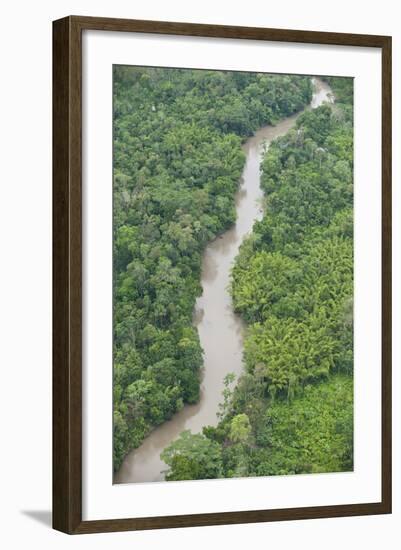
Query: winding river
(220, 329)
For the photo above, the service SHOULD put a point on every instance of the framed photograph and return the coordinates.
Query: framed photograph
(222, 274)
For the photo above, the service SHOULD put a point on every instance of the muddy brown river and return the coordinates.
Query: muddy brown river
(220, 329)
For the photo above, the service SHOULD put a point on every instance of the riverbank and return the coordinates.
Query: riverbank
(220, 329)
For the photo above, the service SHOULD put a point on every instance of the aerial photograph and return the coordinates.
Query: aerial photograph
(233, 274)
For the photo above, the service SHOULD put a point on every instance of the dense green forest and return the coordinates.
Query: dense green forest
(177, 166)
(292, 409)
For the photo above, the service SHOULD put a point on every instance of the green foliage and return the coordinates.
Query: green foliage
(313, 433)
(343, 88)
(293, 280)
(226, 394)
(240, 429)
(177, 165)
(292, 409)
(192, 456)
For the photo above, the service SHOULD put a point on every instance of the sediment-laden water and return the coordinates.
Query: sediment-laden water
(220, 329)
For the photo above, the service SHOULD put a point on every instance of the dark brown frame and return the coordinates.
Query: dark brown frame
(67, 278)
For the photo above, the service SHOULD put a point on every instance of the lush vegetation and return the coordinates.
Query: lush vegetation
(343, 91)
(177, 164)
(292, 410)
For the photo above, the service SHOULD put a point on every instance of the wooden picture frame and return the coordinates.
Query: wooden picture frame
(67, 274)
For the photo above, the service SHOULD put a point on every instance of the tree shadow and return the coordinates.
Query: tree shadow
(41, 516)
